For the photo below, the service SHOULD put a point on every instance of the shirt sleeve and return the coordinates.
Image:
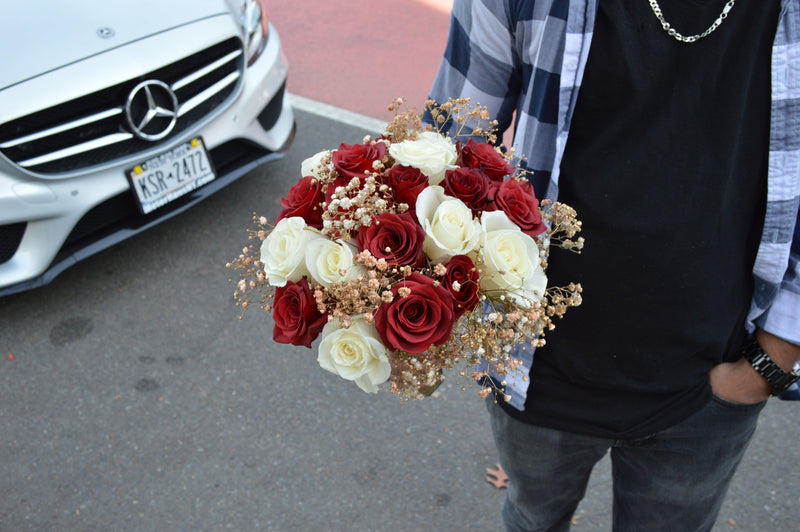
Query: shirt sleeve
(782, 318)
(480, 61)
(776, 295)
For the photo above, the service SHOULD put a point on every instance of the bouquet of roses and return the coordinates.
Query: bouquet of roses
(412, 254)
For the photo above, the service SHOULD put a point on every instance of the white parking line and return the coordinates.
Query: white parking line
(337, 113)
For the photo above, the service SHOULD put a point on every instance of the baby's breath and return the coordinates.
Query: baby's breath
(484, 341)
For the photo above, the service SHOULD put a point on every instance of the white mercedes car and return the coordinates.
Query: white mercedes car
(115, 116)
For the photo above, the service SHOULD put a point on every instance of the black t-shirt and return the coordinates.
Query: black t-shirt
(666, 166)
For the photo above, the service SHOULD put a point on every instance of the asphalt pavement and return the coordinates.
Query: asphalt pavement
(133, 398)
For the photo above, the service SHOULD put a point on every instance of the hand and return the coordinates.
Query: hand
(739, 382)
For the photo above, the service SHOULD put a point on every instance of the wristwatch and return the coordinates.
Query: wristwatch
(778, 379)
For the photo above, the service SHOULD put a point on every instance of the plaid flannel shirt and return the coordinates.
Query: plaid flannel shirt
(527, 57)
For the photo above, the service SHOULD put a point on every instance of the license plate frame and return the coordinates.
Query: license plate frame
(170, 175)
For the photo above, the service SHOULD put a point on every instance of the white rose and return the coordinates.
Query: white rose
(355, 353)
(312, 165)
(511, 259)
(450, 228)
(326, 259)
(283, 252)
(432, 153)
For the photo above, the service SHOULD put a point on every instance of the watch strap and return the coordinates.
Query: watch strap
(778, 379)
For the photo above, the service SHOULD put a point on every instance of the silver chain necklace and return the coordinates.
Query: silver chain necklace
(670, 30)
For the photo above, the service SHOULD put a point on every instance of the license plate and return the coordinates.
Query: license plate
(172, 174)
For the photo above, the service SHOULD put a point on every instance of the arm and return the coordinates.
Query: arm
(739, 382)
(778, 334)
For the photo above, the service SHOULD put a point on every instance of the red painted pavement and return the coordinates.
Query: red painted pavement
(360, 54)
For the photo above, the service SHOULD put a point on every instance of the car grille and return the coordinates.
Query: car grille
(92, 129)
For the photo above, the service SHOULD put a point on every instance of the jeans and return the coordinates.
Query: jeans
(674, 480)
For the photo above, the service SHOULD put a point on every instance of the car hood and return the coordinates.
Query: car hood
(39, 39)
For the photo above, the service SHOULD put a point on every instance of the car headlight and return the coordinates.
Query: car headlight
(252, 17)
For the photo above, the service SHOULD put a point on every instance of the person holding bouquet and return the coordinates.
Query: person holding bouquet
(671, 127)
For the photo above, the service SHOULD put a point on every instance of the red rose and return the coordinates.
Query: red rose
(297, 319)
(462, 270)
(304, 200)
(485, 158)
(422, 318)
(406, 183)
(470, 186)
(398, 238)
(352, 161)
(518, 200)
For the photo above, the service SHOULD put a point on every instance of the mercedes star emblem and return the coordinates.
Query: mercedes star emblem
(151, 110)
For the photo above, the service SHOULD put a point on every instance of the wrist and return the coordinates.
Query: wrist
(775, 377)
(783, 353)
